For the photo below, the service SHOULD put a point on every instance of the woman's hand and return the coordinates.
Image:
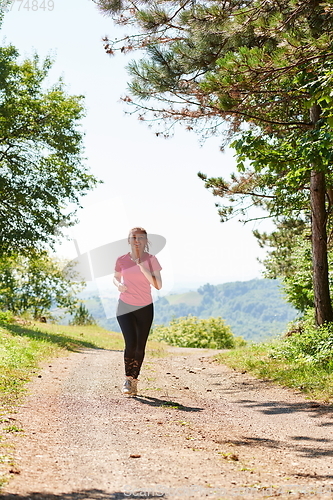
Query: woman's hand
(117, 281)
(153, 278)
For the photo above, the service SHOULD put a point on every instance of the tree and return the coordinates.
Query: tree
(289, 259)
(82, 316)
(42, 171)
(207, 289)
(36, 283)
(239, 66)
(4, 7)
(289, 187)
(279, 262)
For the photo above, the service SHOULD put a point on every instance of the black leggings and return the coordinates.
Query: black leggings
(135, 324)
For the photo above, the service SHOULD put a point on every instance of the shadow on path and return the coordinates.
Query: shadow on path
(314, 410)
(147, 400)
(301, 445)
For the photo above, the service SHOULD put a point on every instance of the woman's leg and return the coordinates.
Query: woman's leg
(144, 318)
(127, 323)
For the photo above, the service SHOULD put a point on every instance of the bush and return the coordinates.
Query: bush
(307, 343)
(6, 317)
(82, 317)
(191, 331)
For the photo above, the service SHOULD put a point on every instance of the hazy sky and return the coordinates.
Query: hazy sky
(148, 181)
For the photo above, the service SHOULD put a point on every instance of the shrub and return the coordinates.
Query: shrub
(307, 343)
(191, 331)
(6, 317)
(82, 316)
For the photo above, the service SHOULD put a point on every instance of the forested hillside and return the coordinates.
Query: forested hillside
(254, 309)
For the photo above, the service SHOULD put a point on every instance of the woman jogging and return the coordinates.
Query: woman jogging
(135, 273)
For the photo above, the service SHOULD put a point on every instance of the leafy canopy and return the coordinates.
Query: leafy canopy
(251, 71)
(42, 171)
(35, 284)
(212, 62)
(258, 72)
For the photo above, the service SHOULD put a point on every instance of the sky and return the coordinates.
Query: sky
(148, 181)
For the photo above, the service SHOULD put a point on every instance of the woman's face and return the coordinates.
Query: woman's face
(138, 241)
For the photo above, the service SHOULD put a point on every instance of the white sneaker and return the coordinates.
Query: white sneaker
(130, 387)
(134, 386)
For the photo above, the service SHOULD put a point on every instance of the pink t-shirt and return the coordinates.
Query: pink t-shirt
(138, 291)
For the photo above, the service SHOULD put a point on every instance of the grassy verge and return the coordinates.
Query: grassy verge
(23, 347)
(313, 379)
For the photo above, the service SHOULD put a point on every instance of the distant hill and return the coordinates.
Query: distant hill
(189, 298)
(254, 309)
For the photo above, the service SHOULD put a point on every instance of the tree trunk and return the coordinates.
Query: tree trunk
(323, 306)
(322, 300)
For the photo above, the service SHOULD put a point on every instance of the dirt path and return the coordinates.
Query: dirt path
(197, 430)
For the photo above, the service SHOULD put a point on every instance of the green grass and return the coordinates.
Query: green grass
(313, 380)
(189, 298)
(24, 347)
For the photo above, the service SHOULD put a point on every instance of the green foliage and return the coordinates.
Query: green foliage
(264, 65)
(279, 261)
(211, 333)
(285, 187)
(291, 260)
(34, 284)
(22, 349)
(314, 379)
(302, 359)
(97, 309)
(82, 316)
(278, 175)
(254, 309)
(307, 343)
(6, 317)
(41, 144)
(190, 298)
(220, 66)
(299, 287)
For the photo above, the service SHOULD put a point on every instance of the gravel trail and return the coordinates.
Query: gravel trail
(197, 430)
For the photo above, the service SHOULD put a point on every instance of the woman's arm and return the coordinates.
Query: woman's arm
(117, 281)
(154, 278)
